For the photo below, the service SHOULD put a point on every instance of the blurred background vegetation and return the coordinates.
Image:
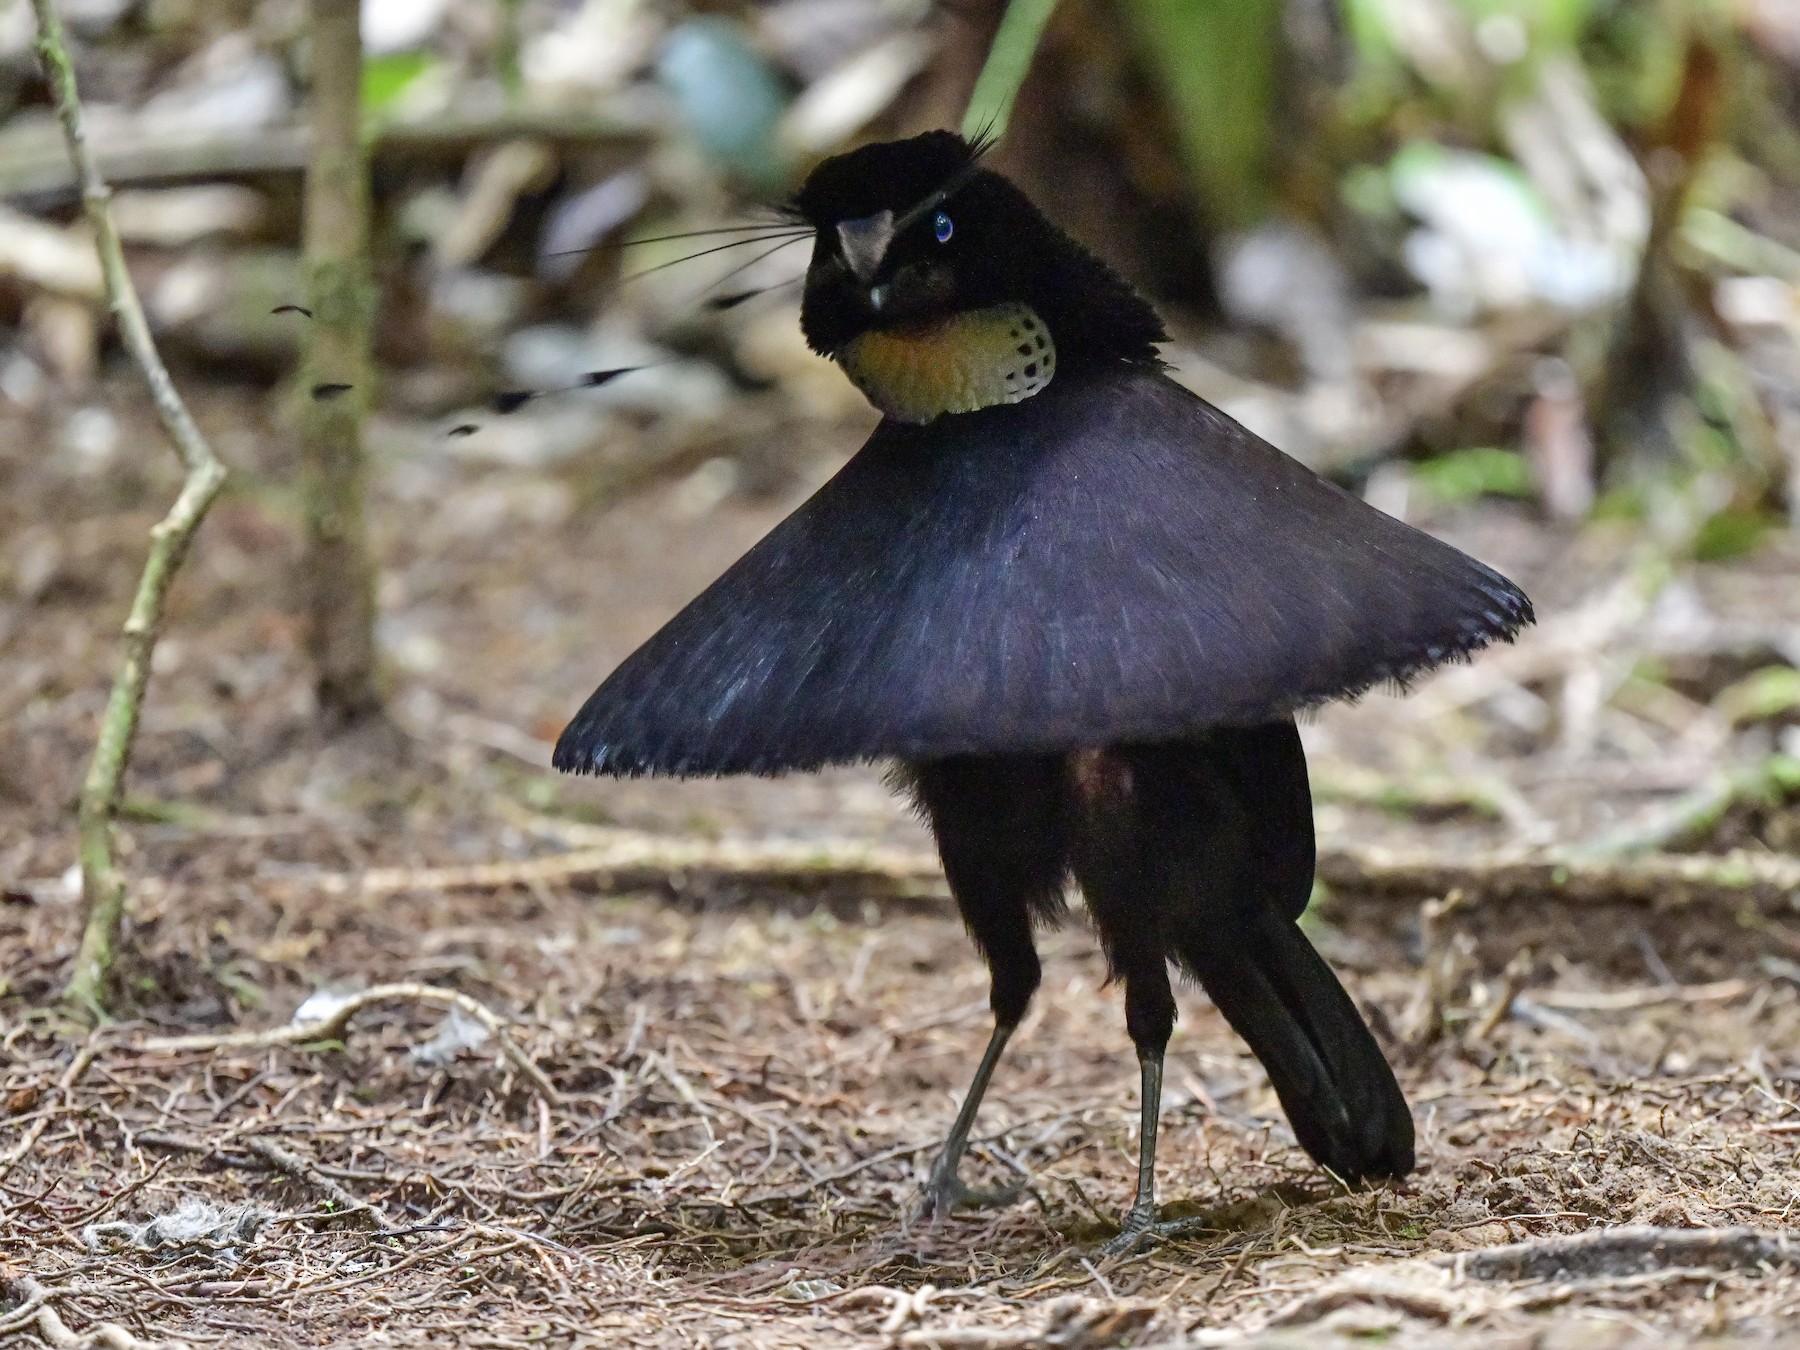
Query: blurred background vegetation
(1405, 227)
(1537, 248)
(1530, 260)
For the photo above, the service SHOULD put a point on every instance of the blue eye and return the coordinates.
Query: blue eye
(943, 227)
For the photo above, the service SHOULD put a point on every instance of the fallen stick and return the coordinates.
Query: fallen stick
(1635, 1000)
(334, 1026)
(1552, 1270)
(1616, 1252)
(631, 851)
(1655, 878)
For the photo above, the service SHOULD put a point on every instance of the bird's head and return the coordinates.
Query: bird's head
(940, 288)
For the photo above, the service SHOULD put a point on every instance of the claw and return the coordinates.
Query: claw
(1138, 1230)
(946, 1193)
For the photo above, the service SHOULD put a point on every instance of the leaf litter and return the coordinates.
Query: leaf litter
(749, 1074)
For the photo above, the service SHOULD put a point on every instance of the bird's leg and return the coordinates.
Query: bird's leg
(1140, 1219)
(999, 828)
(945, 1190)
(1116, 860)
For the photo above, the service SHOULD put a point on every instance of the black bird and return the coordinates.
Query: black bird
(1080, 607)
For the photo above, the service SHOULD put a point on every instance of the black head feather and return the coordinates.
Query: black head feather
(1001, 248)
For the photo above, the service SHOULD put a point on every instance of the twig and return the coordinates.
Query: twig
(71, 1075)
(296, 1166)
(1446, 960)
(26, 1313)
(1729, 878)
(334, 1026)
(1512, 982)
(632, 851)
(55, 1331)
(1635, 1000)
(103, 888)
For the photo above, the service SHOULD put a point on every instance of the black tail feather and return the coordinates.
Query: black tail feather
(1232, 817)
(1333, 1081)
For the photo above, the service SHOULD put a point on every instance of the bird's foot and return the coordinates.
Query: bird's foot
(1137, 1230)
(946, 1192)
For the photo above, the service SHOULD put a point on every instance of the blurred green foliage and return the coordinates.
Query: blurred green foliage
(1216, 62)
(1008, 60)
(1483, 471)
(385, 78)
(1732, 533)
(1761, 696)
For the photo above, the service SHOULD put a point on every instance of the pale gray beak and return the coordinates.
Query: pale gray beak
(865, 242)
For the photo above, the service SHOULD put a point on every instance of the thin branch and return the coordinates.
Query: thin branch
(103, 888)
(333, 1028)
(606, 852)
(339, 569)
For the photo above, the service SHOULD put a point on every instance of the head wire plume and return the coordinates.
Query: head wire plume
(786, 229)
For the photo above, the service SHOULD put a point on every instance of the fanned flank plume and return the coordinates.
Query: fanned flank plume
(1001, 581)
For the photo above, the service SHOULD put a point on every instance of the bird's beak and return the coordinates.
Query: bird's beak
(865, 242)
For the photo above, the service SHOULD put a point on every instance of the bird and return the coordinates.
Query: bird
(1077, 609)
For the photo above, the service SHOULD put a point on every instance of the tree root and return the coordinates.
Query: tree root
(35, 1310)
(1613, 1253)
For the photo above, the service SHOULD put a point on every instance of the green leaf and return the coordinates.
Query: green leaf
(1008, 60)
(1464, 475)
(385, 78)
(1759, 696)
(1217, 62)
(1731, 534)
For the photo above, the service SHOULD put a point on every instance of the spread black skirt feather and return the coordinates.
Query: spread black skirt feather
(1113, 560)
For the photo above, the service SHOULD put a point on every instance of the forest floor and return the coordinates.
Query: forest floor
(751, 1073)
